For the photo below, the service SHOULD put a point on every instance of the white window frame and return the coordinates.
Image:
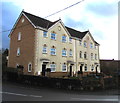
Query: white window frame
(91, 45)
(53, 67)
(85, 44)
(86, 68)
(64, 38)
(64, 67)
(44, 51)
(95, 56)
(53, 36)
(19, 36)
(53, 51)
(91, 56)
(70, 53)
(18, 51)
(29, 68)
(85, 54)
(45, 34)
(70, 40)
(80, 42)
(80, 54)
(64, 52)
(22, 20)
(92, 68)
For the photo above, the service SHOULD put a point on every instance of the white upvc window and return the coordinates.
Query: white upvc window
(64, 52)
(70, 39)
(80, 54)
(44, 34)
(53, 51)
(64, 38)
(85, 44)
(70, 52)
(30, 67)
(95, 56)
(91, 56)
(18, 52)
(91, 45)
(85, 55)
(53, 67)
(92, 68)
(95, 46)
(85, 67)
(44, 49)
(64, 67)
(80, 42)
(19, 36)
(53, 36)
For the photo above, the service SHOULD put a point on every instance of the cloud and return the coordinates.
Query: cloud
(102, 8)
(10, 13)
(99, 16)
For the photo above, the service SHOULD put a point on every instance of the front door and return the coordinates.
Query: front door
(81, 71)
(96, 70)
(43, 69)
(71, 70)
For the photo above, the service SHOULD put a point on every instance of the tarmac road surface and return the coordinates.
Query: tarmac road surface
(18, 92)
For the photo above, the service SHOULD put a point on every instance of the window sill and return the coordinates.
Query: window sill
(64, 56)
(53, 55)
(44, 53)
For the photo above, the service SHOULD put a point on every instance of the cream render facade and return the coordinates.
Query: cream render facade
(63, 53)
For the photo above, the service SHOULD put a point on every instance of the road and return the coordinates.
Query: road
(19, 92)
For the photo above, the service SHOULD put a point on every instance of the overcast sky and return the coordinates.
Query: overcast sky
(100, 17)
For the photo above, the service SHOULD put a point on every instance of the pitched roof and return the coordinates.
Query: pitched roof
(75, 33)
(38, 21)
(46, 24)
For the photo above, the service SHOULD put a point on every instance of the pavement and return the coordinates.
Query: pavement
(19, 92)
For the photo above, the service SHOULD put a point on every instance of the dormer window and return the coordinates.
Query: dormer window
(19, 36)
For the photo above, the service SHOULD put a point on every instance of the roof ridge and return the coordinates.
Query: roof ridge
(37, 16)
(77, 30)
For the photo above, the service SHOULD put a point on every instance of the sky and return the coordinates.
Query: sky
(100, 17)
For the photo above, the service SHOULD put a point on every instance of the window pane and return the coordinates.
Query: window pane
(53, 51)
(53, 36)
(29, 67)
(53, 67)
(70, 53)
(18, 51)
(64, 53)
(64, 68)
(85, 44)
(19, 36)
(44, 49)
(63, 38)
(80, 54)
(70, 40)
(44, 34)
